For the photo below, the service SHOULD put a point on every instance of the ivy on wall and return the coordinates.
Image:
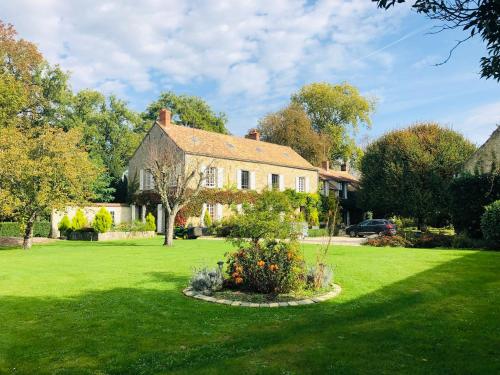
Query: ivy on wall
(309, 201)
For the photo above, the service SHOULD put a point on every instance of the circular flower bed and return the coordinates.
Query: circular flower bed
(232, 298)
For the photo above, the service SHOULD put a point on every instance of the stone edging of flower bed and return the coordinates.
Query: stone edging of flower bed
(307, 301)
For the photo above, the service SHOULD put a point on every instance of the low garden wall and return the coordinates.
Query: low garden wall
(93, 236)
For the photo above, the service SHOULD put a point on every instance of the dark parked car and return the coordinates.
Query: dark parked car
(374, 226)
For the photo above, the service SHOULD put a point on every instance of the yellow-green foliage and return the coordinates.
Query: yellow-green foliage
(64, 224)
(102, 221)
(150, 222)
(207, 219)
(79, 221)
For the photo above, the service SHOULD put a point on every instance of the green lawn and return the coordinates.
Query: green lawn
(117, 308)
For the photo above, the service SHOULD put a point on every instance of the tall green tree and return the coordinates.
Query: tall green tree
(292, 127)
(408, 172)
(336, 112)
(51, 170)
(187, 110)
(111, 133)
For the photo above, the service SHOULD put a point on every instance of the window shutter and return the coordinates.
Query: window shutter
(151, 181)
(282, 182)
(252, 180)
(159, 220)
(203, 170)
(296, 183)
(238, 178)
(270, 181)
(141, 179)
(307, 184)
(220, 177)
(218, 212)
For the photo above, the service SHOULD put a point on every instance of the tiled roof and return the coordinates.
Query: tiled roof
(339, 176)
(202, 142)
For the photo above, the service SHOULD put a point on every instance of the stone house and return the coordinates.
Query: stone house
(344, 185)
(228, 162)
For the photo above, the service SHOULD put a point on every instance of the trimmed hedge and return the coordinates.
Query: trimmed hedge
(12, 229)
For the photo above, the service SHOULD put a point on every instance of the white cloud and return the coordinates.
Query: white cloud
(478, 123)
(230, 43)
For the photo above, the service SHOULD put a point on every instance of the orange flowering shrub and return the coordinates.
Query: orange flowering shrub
(268, 267)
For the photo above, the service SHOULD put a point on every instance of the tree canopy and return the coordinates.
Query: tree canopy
(292, 127)
(477, 17)
(336, 112)
(188, 110)
(51, 170)
(408, 172)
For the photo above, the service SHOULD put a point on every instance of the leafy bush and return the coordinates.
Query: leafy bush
(64, 225)
(490, 222)
(224, 227)
(13, 229)
(136, 226)
(462, 241)
(79, 221)
(314, 217)
(392, 241)
(318, 277)
(429, 240)
(322, 232)
(269, 267)
(102, 221)
(150, 222)
(269, 218)
(207, 219)
(206, 280)
(470, 194)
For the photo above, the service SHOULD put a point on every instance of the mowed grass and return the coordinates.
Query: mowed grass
(117, 308)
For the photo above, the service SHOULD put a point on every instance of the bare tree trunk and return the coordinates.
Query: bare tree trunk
(169, 229)
(28, 234)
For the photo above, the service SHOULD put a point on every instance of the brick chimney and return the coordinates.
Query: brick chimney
(325, 164)
(253, 134)
(164, 118)
(343, 167)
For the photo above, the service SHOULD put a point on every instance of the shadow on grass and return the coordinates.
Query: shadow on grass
(444, 321)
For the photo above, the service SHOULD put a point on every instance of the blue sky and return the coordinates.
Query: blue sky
(247, 57)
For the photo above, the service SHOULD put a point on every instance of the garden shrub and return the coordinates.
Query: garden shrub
(392, 241)
(207, 280)
(263, 264)
(64, 225)
(207, 219)
(490, 222)
(319, 276)
(470, 194)
(223, 227)
(429, 240)
(269, 267)
(462, 241)
(322, 232)
(13, 229)
(79, 221)
(150, 222)
(102, 221)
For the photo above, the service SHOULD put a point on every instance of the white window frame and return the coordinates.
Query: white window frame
(301, 184)
(211, 179)
(212, 211)
(248, 182)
